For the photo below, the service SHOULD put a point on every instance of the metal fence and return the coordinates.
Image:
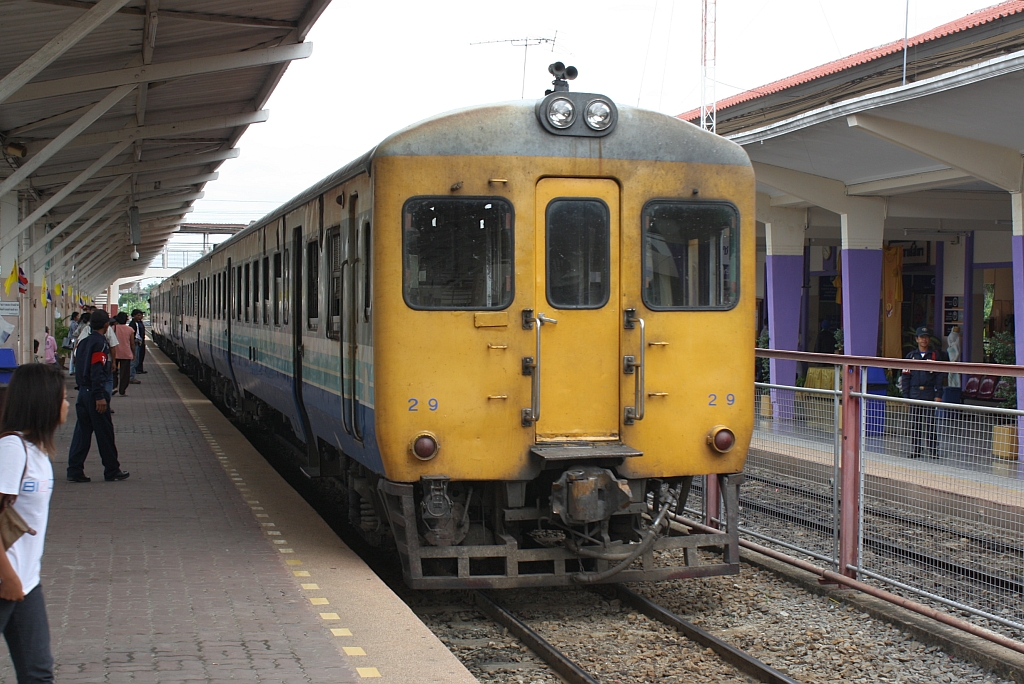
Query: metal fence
(925, 497)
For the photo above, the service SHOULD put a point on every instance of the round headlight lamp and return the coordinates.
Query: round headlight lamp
(424, 446)
(598, 115)
(561, 112)
(721, 439)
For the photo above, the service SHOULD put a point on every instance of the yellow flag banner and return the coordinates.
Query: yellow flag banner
(892, 302)
(42, 293)
(11, 279)
(57, 289)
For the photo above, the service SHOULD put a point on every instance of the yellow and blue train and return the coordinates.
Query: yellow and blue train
(512, 335)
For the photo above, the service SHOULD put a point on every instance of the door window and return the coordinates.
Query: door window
(578, 249)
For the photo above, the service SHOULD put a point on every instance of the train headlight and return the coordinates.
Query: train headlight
(598, 115)
(561, 112)
(424, 446)
(721, 439)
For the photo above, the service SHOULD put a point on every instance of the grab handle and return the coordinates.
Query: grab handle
(531, 367)
(631, 366)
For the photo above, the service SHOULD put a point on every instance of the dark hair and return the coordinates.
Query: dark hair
(33, 403)
(74, 315)
(84, 319)
(121, 318)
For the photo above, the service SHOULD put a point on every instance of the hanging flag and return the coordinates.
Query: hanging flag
(11, 279)
(22, 281)
(42, 293)
(57, 289)
(49, 296)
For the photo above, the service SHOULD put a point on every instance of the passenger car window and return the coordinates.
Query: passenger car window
(458, 253)
(578, 253)
(691, 255)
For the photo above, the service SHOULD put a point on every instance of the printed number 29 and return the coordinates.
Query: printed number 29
(414, 404)
(730, 399)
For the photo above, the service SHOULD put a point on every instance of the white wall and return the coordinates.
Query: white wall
(992, 246)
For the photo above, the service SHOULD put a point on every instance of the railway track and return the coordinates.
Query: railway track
(574, 674)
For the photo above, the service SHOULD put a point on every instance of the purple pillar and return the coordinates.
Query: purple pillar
(940, 265)
(785, 278)
(862, 300)
(1017, 247)
(965, 329)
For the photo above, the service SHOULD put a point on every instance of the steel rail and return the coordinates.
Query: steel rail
(556, 660)
(739, 659)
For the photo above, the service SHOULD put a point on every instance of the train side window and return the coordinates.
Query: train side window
(367, 250)
(458, 253)
(245, 295)
(238, 293)
(578, 253)
(335, 259)
(266, 289)
(277, 289)
(691, 255)
(256, 291)
(286, 290)
(312, 284)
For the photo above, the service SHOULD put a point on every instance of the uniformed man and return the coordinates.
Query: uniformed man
(92, 372)
(924, 386)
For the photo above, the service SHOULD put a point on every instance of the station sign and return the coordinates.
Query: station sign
(12, 309)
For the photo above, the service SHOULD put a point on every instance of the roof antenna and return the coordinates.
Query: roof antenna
(562, 74)
(526, 44)
(906, 31)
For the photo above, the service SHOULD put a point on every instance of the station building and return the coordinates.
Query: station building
(889, 192)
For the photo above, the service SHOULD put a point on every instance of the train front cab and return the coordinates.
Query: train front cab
(612, 349)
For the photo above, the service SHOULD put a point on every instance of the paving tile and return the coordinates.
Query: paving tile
(157, 578)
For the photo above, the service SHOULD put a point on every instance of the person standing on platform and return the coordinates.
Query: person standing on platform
(92, 371)
(123, 351)
(140, 342)
(140, 338)
(923, 386)
(49, 347)
(26, 483)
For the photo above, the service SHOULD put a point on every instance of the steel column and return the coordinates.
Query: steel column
(849, 508)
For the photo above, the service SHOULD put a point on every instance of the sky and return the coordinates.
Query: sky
(378, 67)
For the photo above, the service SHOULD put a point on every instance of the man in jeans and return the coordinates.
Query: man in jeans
(140, 342)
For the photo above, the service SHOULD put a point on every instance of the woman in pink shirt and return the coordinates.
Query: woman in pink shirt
(49, 348)
(123, 352)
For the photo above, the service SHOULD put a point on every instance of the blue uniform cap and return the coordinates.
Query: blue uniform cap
(922, 332)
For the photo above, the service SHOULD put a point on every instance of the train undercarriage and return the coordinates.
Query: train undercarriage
(576, 523)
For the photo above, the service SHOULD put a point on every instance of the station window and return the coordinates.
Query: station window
(691, 255)
(458, 253)
(312, 284)
(578, 253)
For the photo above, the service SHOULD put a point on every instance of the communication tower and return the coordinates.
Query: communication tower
(707, 66)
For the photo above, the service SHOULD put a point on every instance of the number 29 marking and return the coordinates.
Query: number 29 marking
(432, 404)
(730, 399)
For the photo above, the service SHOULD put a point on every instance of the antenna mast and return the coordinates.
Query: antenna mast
(526, 44)
(707, 67)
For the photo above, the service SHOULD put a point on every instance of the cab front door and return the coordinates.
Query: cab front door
(578, 286)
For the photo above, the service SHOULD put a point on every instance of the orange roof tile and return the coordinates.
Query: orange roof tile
(983, 16)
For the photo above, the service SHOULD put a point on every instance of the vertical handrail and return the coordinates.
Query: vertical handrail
(630, 365)
(837, 452)
(344, 344)
(532, 415)
(849, 529)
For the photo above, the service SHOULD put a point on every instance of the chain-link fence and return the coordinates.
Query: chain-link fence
(938, 488)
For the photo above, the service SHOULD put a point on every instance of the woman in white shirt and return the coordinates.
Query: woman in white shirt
(36, 405)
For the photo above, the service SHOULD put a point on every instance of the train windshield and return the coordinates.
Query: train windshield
(691, 255)
(458, 253)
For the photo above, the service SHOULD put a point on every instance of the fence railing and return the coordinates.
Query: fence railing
(925, 497)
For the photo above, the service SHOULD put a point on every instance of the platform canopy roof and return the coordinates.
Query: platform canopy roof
(938, 155)
(113, 106)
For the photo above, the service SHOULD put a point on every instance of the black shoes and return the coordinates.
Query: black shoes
(79, 478)
(118, 476)
(143, 372)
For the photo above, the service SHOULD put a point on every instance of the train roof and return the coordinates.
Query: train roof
(512, 129)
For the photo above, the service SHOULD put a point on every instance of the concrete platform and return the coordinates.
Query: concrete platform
(206, 566)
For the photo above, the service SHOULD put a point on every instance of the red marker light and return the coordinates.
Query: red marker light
(425, 447)
(721, 439)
